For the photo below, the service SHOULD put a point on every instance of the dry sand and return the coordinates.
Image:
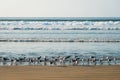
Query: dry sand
(60, 73)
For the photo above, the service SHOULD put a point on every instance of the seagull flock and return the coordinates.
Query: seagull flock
(60, 60)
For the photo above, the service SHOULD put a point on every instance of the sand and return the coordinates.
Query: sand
(60, 73)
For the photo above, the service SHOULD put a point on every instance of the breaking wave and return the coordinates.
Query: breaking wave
(59, 25)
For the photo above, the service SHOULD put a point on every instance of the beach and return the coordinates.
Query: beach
(60, 72)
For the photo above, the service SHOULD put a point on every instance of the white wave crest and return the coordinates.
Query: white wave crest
(60, 25)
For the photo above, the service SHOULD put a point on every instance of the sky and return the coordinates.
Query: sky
(59, 8)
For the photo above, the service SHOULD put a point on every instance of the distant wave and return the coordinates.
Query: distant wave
(56, 40)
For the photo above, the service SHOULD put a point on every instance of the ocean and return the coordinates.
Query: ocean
(32, 37)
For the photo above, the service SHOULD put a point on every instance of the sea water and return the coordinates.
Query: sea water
(59, 38)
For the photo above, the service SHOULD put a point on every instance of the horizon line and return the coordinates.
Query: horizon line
(59, 18)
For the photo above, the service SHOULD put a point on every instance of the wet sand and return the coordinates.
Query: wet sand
(60, 73)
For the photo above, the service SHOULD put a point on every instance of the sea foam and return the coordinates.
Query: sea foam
(59, 25)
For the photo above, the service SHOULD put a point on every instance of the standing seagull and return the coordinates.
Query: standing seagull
(76, 61)
(13, 61)
(53, 61)
(83, 61)
(45, 60)
(5, 60)
(93, 59)
(115, 59)
(101, 60)
(61, 60)
(108, 60)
